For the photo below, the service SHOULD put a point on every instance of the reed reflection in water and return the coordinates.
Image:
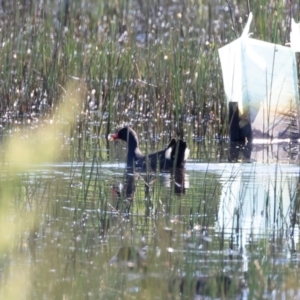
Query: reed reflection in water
(209, 229)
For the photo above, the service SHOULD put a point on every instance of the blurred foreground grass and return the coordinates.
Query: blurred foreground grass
(164, 78)
(20, 213)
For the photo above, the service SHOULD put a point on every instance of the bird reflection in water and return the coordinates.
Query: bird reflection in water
(123, 192)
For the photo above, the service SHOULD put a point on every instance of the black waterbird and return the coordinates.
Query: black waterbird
(174, 155)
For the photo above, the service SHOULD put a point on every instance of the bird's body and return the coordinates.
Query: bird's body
(174, 155)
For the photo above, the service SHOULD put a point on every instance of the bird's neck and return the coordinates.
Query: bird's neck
(133, 154)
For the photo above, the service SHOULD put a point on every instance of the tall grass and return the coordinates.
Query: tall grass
(166, 75)
(67, 81)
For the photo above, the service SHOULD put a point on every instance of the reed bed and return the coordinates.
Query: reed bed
(153, 66)
(71, 73)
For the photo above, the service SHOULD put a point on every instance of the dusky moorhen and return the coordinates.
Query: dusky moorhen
(174, 155)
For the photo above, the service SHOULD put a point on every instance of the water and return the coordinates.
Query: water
(217, 229)
(90, 231)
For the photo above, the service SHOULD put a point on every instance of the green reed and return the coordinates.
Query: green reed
(173, 74)
(166, 85)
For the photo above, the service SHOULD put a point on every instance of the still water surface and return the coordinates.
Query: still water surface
(224, 230)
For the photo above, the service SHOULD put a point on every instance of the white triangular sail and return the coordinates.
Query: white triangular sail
(295, 36)
(262, 78)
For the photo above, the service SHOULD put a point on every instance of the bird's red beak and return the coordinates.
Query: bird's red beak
(113, 137)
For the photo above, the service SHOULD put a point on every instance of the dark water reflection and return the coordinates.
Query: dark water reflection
(225, 230)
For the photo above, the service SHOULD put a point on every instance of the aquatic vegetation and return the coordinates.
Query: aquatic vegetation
(74, 226)
(165, 74)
